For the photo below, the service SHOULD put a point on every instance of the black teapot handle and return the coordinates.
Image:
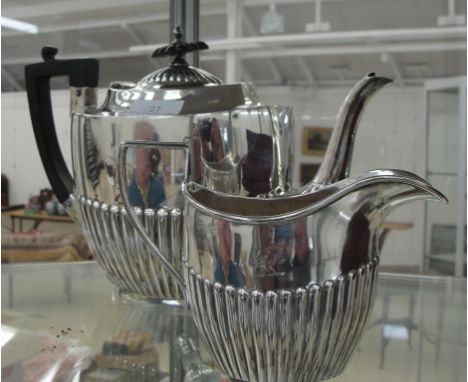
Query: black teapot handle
(81, 73)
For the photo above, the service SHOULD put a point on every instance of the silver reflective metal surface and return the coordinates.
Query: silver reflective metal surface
(306, 334)
(337, 161)
(142, 99)
(120, 253)
(237, 147)
(280, 281)
(245, 151)
(280, 287)
(289, 242)
(263, 274)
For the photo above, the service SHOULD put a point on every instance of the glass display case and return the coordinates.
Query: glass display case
(66, 322)
(445, 228)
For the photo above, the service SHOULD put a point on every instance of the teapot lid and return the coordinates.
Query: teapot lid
(178, 89)
(178, 74)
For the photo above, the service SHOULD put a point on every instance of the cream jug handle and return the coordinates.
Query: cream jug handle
(134, 219)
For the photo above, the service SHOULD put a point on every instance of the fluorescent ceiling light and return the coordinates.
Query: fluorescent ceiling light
(20, 26)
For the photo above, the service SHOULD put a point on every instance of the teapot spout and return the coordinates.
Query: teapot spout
(337, 161)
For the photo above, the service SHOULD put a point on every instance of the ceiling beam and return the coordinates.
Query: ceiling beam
(249, 25)
(320, 83)
(251, 29)
(63, 8)
(134, 35)
(234, 20)
(99, 55)
(305, 69)
(348, 82)
(11, 80)
(343, 50)
(92, 24)
(115, 22)
(267, 3)
(277, 76)
(245, 74)
(336, 50)
(383, 35)
(325, 83)
(380, 35)
(395, 66)
(247, 22)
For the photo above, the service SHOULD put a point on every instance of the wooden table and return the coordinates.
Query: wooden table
(20, 215)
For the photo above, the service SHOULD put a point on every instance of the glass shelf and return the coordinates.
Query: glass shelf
(67, 320)
(445, 231)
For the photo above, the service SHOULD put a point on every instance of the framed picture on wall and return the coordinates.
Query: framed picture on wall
(315, 140)
(307, 172)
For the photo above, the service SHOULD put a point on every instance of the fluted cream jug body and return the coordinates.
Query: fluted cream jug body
(280, 288)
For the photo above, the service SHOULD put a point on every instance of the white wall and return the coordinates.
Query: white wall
(391, 135)
(20, 158)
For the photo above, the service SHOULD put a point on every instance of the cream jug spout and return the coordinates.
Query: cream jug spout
(337, 160)
(363, 212)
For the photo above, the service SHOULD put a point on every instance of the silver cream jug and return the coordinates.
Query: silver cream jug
(233, 139)
(280, 288)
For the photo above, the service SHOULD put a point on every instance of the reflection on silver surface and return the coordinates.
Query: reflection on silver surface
(307, 334)
(237, 146)
(229, 151)
(288, 242)
(255, 291)
(262, 273)
(124, 258)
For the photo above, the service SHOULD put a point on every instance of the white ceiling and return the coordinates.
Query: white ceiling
(396, 38)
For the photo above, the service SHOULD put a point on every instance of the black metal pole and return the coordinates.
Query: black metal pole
(177, 16)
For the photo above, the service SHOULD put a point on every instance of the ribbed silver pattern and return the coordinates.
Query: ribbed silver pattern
(307, 334)
(123, 256)
(178, 76)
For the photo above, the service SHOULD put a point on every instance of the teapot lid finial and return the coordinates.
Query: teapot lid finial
(179, 74)
(179, 47)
